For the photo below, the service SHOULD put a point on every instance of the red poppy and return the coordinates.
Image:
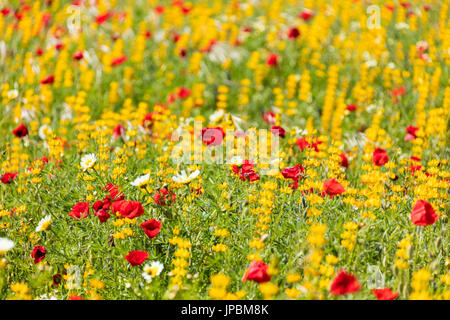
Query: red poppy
(278, 131)
(385, 294)
(5, 11)
(59, 46)
(78, 55)
(269, 117)
(114, 192)
(344, 283)
(164, 197)
(272, 60)
(119, 60)
(302, 143)
(39, 51)
(411, 133)
(151, 227)
(21, 131)
(48, 80)
(136, 257)
(293, 172)
(118, 131)
(38, 253)
(75, 297)
(8, 177)
(257, 271)
(380, 157)
(293, 33)
(352, 107)
(333, 188)
(212, 136)
(80, 210)
(102, 215)
(183, 93)
(159, 9)
(344, 160)
(398, 92)
(307, 14)
(128, 209)
(423, 214)
(101, 18)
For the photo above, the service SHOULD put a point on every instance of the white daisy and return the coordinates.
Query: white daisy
(44, 223)
(216, 115)
(182, 177)
(44, 131)
(236, 160)
(141, 181)
(5, 245)
(88, 161)
(152, 270)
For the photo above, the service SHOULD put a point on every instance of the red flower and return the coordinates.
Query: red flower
(293, 172)
(269, 117)
(128, 209)
(385, 294)
(333, 188)
(159, 9)
(39, 51)
(101, 18)
(164, 197)
(272, 60)
(352, 107)
(80, 210)
(183, 93)
(114, 192)
(212, 136)
(380, 157)
(344, 160)
(21, 131)
(136, 257)
(411, 133)
(38, 253)
(8, 177)
(151, 227)
(75, 297)
(118, 130)
(344, 283)
(398, 92)
(78, 55)
(423, 214)
(278, 131)
(102, 215)
(257, 271)
(119, 60)
(293, 33)
(302, 143)
(307, 14)
(49, 80)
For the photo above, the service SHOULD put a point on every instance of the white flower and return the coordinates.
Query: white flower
(236, 160)
(182, 177)
(141, 181)
(216, 115)
(88, 161)
(5, 245)
(44, 223)
(12, 94)
(152, 270)
(44, 130)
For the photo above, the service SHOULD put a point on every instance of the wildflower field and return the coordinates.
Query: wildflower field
(215, 149)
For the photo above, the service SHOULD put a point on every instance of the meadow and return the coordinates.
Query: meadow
(135, 138)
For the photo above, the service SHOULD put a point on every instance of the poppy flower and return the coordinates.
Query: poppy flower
(278, 131)
(344, 160)
(385, 294)
(114, 192)
(398, 92)
(48, 80)
(307, 14)
(183, 93)
(352, 107)
(118, 131)
(21, 131)
(5, 11)
(159, 9)
(272, 60)
(344, 283)
(38, 253)
(59, 46)
(212, 136)
(380, 157)
(151, 227)
(257, 271)
(411, 133)
(128, 209)
(302, 143)
(293, 33)
(119, 60)
(75, 297)
(39, 51)
(80, 210)
(78, 55)
(136, 257)
(333, 188)
(102, 215)
(423, 214)
(293, 172)
(269, 117)
(8, 177)
(102, 18)
(164, 197)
